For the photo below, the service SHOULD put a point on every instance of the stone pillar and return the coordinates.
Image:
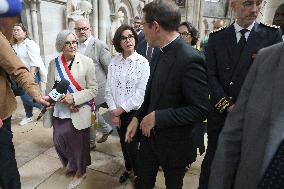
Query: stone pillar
(33, 8)
(269, 10)
(95, 24)
(102, 21)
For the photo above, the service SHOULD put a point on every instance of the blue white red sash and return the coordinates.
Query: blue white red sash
(65, 73)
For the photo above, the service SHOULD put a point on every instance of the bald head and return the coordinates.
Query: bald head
(218, 24)
(82, 29)
(279, 17)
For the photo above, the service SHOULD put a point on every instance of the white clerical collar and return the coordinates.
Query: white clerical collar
(169, 42)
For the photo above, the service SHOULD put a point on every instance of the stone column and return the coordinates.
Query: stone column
(102, 21)
(33, 8)
(269, 10)
(95, 24)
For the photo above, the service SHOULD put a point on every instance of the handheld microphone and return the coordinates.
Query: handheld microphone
(55, 95)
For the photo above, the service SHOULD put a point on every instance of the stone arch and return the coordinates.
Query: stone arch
(125, 6)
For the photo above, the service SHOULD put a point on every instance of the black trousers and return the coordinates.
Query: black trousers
(213, 135)
(9, 174)
(169, 148)
(129, 150)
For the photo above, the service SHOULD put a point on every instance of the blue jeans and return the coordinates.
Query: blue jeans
(28, 101)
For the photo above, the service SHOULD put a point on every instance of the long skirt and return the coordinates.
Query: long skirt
(71, 145)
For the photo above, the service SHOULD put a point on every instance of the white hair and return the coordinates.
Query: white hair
(61, 39)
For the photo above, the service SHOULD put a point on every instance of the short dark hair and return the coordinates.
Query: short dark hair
(117, 37)
(193, 31)
(165, 12)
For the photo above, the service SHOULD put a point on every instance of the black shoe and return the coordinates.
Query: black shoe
(124, 177)
(92, 147)
(104, 137)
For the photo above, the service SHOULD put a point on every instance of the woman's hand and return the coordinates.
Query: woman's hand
(73, 108)
(116, 121)
(68, 99)
(117, 111)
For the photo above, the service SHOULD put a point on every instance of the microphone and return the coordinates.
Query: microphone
(55, 95)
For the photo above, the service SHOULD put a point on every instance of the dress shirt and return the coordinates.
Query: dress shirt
(126, 82)
(238, 28)
(83, 46)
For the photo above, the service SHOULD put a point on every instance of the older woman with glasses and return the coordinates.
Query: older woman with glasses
(128, 74)
(71, 116)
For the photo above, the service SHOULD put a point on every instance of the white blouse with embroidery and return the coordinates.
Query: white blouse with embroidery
(126, 82)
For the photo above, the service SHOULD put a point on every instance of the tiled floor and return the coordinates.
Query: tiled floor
(40, 167)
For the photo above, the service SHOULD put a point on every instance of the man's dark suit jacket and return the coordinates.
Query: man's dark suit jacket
(177, 89)
(141, 36)
(226, 73)
(142, 49)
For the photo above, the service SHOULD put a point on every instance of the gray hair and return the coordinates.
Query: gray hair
(61, 39)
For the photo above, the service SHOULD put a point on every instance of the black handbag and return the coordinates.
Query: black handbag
(18, 91)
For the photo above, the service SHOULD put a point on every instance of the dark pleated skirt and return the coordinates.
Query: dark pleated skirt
(71, 145)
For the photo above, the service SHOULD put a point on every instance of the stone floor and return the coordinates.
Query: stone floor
(40, 167)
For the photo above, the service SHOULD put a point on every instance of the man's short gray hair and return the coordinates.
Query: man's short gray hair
(61, 39)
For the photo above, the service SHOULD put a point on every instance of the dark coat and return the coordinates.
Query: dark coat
(226, 73)
(177, 91)
(254, 130)
(142, 50)
(179, 95)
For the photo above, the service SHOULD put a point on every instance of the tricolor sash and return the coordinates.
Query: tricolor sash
(64, 73)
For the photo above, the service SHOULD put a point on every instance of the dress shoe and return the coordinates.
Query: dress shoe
(125, 175)
(104, 137)
(92, 147)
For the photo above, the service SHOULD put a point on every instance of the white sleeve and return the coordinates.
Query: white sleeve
(108, 93)
(33, 51)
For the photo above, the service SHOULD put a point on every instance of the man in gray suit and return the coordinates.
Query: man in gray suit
(250, 153)
(100, 54)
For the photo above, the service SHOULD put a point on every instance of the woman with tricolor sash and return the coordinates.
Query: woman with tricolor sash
(71, 116)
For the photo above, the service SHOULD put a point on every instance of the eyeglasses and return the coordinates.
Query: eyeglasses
(184, 34)
(70, 43)
(81, 29)
(124, 38)
(250, 4)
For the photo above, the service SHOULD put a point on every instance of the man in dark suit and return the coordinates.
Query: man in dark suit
(145, 50)
(250, 153)
(229, 55)
(138, 28)
(176, 98)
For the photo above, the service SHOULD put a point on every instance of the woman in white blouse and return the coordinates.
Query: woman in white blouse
(29, 53)
(127, 78)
